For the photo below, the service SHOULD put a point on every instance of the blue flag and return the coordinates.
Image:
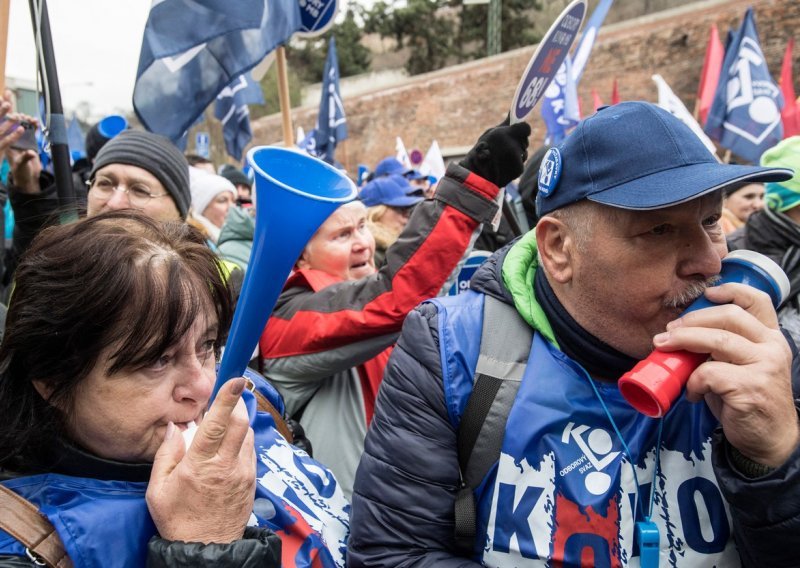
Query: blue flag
(192, 49)
(745, 116)
(331, 122)
(231, 109)
(75, 139)
(563, 88)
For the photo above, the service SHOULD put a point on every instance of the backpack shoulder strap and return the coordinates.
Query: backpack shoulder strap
(505, 346)
(22, 520)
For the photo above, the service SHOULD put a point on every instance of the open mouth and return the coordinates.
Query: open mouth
(359, 265)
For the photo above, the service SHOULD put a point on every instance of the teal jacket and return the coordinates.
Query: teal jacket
(236, 237)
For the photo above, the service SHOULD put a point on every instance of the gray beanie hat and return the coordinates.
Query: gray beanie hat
(153, 153)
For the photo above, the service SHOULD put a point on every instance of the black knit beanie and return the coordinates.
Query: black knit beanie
(94, 142)
(153, 153)
(236, 177)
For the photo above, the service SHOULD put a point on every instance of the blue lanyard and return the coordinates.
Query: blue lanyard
(646, 531)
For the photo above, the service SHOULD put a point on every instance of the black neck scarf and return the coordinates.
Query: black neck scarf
(600, 360)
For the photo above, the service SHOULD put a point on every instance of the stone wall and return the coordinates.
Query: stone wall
(454, 105)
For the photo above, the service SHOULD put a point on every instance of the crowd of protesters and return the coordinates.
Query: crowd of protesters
(366, 370)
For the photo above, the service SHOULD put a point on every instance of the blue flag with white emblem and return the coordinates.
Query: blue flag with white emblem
(558, 112)
(331, 122)
(192, 49)
(745, 116)
(231, 109)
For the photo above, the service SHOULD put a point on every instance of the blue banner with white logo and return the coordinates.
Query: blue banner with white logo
(745, 116)
(231, 109)
(192, 49)
(564, 86)
(554, 105)
(331, 122)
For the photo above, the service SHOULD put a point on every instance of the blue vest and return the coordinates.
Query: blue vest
(106, 523)
(563, 490)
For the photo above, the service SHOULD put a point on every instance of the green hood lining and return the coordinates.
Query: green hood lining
(518, 270)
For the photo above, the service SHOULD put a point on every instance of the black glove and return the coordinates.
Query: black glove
(299, 436)
(500, 153)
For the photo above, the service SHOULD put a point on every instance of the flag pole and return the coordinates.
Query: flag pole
(4, 8)
(59, 147)
(283, 96)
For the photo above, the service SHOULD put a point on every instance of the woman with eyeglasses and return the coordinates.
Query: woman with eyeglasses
(134, 170)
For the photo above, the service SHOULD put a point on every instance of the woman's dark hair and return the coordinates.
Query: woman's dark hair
(119, 281)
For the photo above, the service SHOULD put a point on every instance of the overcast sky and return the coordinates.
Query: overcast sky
(96, 43)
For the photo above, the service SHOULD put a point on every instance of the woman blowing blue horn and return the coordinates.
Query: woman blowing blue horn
(110, 352)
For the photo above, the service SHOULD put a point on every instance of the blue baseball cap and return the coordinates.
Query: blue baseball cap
(390, 166)
(636, 155)
(394, 191)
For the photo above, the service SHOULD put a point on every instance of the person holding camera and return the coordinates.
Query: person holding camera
(500, 412)
(26, 175)
(135, 169)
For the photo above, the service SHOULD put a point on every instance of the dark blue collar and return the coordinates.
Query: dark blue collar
(600, 360)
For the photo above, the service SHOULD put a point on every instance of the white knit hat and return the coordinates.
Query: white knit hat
(205, 187)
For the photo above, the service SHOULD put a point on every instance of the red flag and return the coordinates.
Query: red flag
(614, 93)
(712, 64)
(790, 115)
(596, 100)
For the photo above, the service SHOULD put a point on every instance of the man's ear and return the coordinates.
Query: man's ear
(556, 248)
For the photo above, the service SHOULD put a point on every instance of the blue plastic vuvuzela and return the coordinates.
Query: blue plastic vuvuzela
(295, 193)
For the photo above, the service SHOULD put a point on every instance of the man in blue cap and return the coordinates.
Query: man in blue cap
(499, 412)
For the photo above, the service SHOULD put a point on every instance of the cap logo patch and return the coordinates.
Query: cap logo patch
(550, 171)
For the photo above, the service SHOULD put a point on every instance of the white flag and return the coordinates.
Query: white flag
(402, 155)
(433, 164)
(670, 102)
